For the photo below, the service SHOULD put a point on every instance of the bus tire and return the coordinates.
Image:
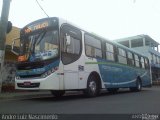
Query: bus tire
(93, 87)
(58, 93)
(138, 87)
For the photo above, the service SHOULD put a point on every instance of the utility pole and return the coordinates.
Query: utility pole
(3, 30)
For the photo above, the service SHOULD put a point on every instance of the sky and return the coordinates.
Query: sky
(111, 19)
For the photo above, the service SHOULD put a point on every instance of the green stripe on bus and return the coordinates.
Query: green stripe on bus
(111, 63)
(96, 63)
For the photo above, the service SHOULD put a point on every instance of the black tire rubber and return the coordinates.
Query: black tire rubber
(138, 87)
(93, 88)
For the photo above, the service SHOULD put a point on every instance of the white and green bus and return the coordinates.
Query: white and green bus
(57, 56)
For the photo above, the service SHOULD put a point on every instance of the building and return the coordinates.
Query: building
(15, 33)
(145, 45)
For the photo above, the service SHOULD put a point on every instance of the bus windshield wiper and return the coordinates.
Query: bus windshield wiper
(37, 40)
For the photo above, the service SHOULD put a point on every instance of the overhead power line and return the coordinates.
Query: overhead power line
(42, 8)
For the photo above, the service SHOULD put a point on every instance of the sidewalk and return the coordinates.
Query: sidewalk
(24, 94)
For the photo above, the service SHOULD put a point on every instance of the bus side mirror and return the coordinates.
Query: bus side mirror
(68, 39)
(9, 26)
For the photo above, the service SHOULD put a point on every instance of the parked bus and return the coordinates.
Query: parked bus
(57, 56)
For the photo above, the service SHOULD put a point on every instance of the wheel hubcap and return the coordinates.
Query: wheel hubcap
(92, 86)
(139, 86)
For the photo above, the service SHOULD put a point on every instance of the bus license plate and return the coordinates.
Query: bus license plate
(27, 83)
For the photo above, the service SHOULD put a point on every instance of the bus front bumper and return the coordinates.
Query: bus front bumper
(51, 82)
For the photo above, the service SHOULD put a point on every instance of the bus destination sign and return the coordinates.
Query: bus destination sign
(36, 27)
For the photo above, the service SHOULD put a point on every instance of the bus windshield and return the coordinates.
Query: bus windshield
(40, 46)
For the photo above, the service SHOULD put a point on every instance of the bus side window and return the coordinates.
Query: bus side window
(146, 64)
(93, 46)
(136, 60)
(130, 59)
(110, 52)
(142, 62)
(71, 45)
(122, 58)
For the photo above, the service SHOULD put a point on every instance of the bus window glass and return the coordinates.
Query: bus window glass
(89, 40)
(109, 47)
(98, 53)
(130, 59)
(136, 60)
(74, 46)
(89, 50)
(93, 47)
(109, 52)
(142, 62)
(71, 49)
(146, 63)
(122, 56)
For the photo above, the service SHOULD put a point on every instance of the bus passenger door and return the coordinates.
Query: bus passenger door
(71, 51)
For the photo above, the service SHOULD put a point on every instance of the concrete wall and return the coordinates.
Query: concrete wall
(9, 68)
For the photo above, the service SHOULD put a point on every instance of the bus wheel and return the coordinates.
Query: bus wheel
(58, 93)
(92, 87)
(138, 86)
(113, 90)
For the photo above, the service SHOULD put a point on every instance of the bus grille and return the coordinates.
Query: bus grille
(32, 85)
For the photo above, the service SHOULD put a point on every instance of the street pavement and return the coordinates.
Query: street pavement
(124, 102)
(23, 95)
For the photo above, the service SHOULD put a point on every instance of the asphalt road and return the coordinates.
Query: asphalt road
(124, 102)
